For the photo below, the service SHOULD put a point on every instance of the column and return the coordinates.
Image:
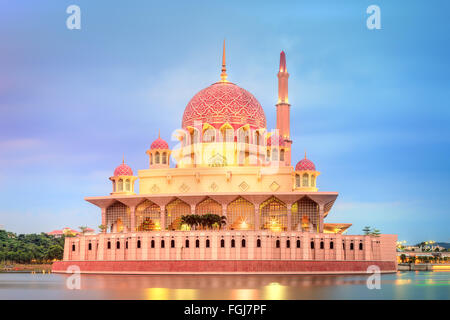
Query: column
(289, 216)
(321, 214)
(192, 208)
(133, 219)
(257, 226)
(104, 218)
(224, 213)
(101, 247)
(214, 245)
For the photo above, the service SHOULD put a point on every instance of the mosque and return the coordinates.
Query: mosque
(232, 203)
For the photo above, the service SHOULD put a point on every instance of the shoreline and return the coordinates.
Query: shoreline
(26, 268)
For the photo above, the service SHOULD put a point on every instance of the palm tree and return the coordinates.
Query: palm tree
(223, 221)
(102, 228)
(366, 230)
(83, 229)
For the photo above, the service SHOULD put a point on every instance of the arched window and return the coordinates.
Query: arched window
(258, 243)
(331, 245)
(288, 244)
(233, 243)
(194, 136)
(282, 155)
(163, 244)
(118, 217)
(151, 158)
(222, 243)
(240, 215)
(227, 134)
(73, 247)
(164, 158)
(312, 244)
(313, 181)
(208, 206)
(305, 215)
(360, 246)
(273, 215)
(114, 185)
(152, 244)
(243, 243)
(109, 244)
(298, 243)
(186, 243)
(257, 138)
(351, 246)
(174, 211)
(277, 243)
(209, 135)
(126, 244)
(297, 180)
(157, 157)
(118, 245)
(207, 243)
(275, 154)
(305, 180)
(139, 244)
(172, 243)
(120, 185)
(197, 243)
(268, 155)
(148, 216)
(321, 245)
(127, 185)
(90, 246)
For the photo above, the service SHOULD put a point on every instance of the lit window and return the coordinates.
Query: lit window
(305, 180)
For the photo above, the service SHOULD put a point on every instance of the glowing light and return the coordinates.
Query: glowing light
(274, 225)
(275, 291)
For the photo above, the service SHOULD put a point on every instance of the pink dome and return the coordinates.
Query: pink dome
(305, 164)
(276, 140)
(159, 144)
(224, 102)
(123, 170)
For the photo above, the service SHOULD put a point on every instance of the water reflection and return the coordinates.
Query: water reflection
(403, 285)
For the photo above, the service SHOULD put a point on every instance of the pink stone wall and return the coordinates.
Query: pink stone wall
(172, 246)
(224, 266)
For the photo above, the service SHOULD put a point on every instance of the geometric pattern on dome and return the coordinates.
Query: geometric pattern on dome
(275, 140)
(305, 164)
(123, 170)
(159, 144)
(224, 102)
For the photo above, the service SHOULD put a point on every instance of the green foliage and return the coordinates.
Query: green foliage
(29, 248)
(205, 221)
(368, 231)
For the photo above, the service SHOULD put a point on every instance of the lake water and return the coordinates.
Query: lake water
(402, 285)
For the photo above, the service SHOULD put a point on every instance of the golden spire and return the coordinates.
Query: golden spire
(305, 153)
(123, 158)
(223, 75)
(159, 133)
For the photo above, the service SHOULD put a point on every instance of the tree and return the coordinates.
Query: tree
(403, 257)
(375, 232)
(83, 229)
(366, 230)
(102, 228)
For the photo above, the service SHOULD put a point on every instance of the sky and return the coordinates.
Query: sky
(371, 107)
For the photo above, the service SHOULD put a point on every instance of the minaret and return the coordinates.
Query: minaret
(223, 75)
(283, 106)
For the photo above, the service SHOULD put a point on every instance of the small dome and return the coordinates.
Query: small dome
(123, 170)
(275, 140)
(305, 164)
(159, 144)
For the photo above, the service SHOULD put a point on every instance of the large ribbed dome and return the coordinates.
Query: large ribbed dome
(224, 102)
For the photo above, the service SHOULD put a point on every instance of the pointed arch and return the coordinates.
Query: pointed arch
(118, 217)
(305, 215)
(273, 215)
(148, 216)
(174, 210)
(241, 214)
(208, 206)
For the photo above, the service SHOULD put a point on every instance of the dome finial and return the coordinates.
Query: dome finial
(305, 153)
(159, 133)
(223, 75)
(123, 158)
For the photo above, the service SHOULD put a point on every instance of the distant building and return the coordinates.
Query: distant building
(70, 232)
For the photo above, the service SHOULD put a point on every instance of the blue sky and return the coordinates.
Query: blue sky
(371, 107)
